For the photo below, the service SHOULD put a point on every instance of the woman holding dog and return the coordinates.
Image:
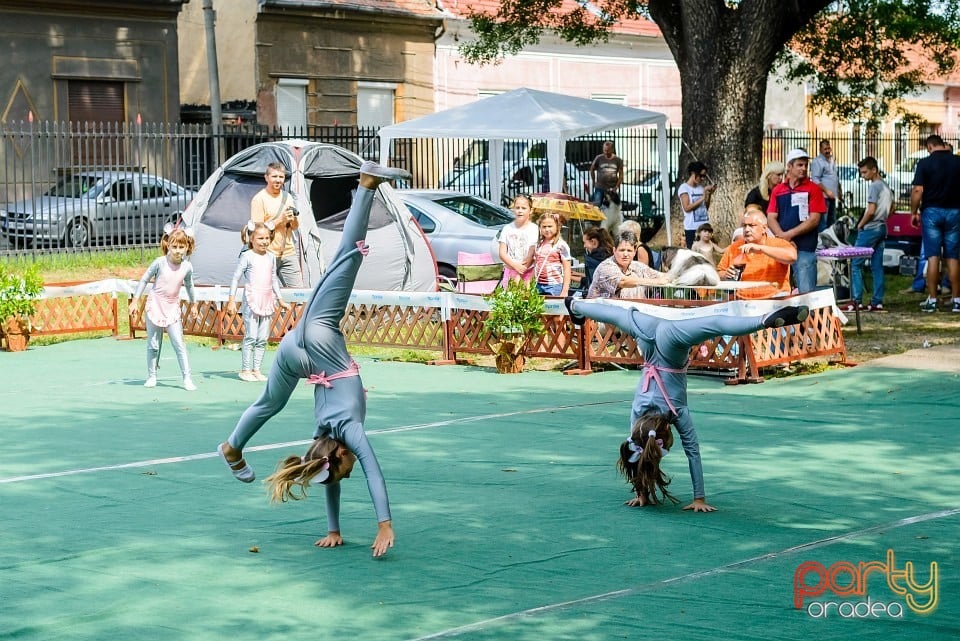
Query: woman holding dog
(695, 194)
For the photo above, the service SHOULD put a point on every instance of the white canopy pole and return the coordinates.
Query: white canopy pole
(495, 170)
(556, 161)
(385, 143)
(662, 154)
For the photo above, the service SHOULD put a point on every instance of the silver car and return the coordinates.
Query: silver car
(521, 177)
(94, 207)
(455, 222)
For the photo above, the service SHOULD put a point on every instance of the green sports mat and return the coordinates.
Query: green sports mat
(837, 493)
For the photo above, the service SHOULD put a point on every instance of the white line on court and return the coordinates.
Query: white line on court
(274, 446)
(651, 587)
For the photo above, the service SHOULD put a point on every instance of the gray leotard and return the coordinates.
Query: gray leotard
(316, 346)
(665, 345)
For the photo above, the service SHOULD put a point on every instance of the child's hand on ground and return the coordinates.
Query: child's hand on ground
(331, 540)
(384, 539)
(637, 501)
(700, 505)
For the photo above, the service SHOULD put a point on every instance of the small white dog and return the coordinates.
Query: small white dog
(689, 268)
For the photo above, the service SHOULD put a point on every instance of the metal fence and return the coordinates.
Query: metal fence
(90, 186)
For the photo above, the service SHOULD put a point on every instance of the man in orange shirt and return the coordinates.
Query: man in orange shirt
(764, 258)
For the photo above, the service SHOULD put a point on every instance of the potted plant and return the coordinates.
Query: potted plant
(19, 292)
(515, 316)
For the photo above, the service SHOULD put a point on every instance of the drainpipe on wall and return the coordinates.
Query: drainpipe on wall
(213, 73)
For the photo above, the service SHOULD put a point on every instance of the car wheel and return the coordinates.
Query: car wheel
(447, 271)
(77, 234)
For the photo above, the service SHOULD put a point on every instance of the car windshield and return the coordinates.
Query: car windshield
(72, 186)
(476, 210)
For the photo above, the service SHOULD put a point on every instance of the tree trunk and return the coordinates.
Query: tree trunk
(724, 56)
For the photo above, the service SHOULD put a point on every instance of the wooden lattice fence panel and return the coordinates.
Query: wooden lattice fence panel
(72, 314)
(560, 340)
(819, 335)
(393, 326)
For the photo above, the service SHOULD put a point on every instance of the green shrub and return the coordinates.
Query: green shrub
(515, 309)
(19, 292)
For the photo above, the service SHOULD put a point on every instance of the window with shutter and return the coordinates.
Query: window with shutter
(92, 106)
(292, 105)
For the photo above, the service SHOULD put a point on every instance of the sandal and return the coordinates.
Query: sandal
(244, 473)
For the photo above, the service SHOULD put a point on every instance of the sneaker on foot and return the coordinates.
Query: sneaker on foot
(188, 384)
(875, 308)
(258, 375)
(852, 307)
(387, 173)
(150, 382)
(956, 307)
(786, 316)
(928, 306)
(247, 375)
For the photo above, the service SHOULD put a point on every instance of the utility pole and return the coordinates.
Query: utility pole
(213, 73)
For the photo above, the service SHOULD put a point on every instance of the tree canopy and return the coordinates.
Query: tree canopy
(860, 56)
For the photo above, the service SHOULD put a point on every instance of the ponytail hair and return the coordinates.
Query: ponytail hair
(603, 238)
(640, 457)
(246, 233)
(295, 473)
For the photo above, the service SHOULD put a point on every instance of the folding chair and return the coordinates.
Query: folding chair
(477, 273)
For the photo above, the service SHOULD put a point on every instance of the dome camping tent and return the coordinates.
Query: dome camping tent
(320, 179)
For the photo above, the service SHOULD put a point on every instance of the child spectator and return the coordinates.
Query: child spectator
(517, 241)
(552, 258)
(168, 273)
(598, 246)
(261, 296)
(704, 244)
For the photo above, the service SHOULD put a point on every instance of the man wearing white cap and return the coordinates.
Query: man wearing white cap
(794, 214)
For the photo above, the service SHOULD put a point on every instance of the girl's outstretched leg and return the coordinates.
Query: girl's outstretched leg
(633, 321)
(330, 296)
(280, 386)
(675, 339)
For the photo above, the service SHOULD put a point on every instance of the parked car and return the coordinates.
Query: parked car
(521, 177)
(85, 208)
(455, 222)
(641, 185)
(853, 188)
(901, 178)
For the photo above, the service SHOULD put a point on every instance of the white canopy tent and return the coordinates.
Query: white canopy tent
(527, 114)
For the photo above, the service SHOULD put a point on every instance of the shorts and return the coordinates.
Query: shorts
(550, 289)
(941, 232)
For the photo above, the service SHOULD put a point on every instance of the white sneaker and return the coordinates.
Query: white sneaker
(188, 384)
(258, 375)
(248, 376)
(150, 382)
